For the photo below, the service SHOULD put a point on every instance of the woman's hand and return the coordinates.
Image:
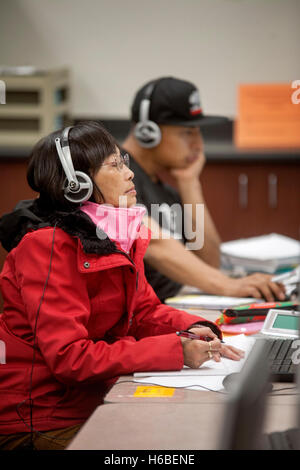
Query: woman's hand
(196, 352)
(231, 352)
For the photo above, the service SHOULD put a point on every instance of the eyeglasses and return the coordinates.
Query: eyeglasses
(119, 162)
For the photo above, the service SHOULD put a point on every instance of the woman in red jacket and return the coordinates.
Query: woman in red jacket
(78, 311)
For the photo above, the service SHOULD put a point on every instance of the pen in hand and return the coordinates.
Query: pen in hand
(186, 334)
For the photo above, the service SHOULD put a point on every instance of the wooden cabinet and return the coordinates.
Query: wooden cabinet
(253, 197)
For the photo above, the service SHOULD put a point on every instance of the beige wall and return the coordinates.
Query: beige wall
(114, 46)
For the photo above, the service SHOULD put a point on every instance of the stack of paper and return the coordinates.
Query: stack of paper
(267, 253)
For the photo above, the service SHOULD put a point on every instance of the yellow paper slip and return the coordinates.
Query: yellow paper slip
(149, 391)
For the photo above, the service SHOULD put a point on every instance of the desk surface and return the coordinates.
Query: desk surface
(172, 426)
(186, 420)
(127, 391)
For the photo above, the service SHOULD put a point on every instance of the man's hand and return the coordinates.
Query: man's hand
(256, 285)
(191, 172)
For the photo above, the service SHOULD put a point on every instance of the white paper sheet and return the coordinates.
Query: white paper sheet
(204, 383)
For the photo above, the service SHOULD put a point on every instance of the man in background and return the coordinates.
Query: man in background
(165, 144)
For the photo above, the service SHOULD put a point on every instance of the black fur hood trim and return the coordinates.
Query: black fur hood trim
(29, 215)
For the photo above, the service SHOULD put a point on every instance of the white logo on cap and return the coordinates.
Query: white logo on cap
(194, 100)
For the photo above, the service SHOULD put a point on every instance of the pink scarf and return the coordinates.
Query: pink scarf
(121, 224)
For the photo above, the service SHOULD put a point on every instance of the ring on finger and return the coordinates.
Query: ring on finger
(210, 354)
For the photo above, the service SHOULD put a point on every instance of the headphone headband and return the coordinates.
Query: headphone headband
(146, 102)
(65, 136)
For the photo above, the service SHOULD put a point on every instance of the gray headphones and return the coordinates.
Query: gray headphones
(147, 132)
(78, 186)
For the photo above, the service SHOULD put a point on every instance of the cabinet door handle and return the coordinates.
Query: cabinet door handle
(272, 180)
(243, 191)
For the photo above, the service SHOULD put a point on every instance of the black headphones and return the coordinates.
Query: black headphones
(78, 186)
(147, 132)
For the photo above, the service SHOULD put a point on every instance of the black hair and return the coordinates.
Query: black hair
(90, 144)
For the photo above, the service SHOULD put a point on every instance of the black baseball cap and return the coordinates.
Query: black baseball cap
(173, 102)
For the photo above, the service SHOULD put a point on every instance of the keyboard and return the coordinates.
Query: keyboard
(280, 355)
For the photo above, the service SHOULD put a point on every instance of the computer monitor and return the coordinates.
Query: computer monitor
(245, 405)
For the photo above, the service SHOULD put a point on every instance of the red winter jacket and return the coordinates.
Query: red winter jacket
(98, 319)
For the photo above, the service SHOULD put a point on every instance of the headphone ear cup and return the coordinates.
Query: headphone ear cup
(83, 193)
(148, 134)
